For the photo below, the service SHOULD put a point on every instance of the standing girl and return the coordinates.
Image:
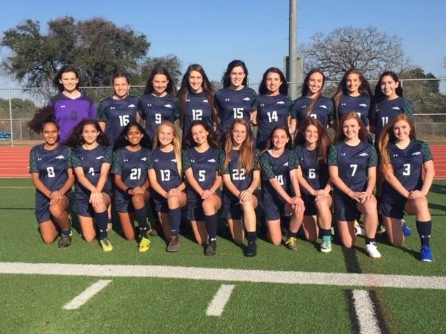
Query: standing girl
(352, 168)
(165, 176)
(312, 151)
(200, 164)
(91, 162)
(403, 159)
(274, 106)
(52, 175)
(312, 103)
(130, 165)
(115, 112)
(234, 100)
(159, 102)
(70, 105)
(280, 189)
(241, 176)
(196, 97)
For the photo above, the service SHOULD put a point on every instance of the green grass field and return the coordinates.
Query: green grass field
(279, 291)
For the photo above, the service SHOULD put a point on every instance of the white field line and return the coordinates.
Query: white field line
(233, 275)
(221, 298)
(82, 298)
(368, 324)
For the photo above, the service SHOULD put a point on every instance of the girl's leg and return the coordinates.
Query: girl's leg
(274, 231)
(200, 231)
(324, 220)
(48, 231)
(139, 204)
(87, 227)
(101, 217)
(394, 230)
(419, 207)
(237, 231)
(347, 233)
(175, 203)
(59, 212)
(210, 209)
(369, 209)
(250, 220)
(127, 226)
(310, 228)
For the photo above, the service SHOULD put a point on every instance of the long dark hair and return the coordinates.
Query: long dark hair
(64, 69)
(122, 140)
(306, 88)
(226, 81)
(283, 89)
(269, 143)
(379, 95)
(212, 136)
(171, 88)
(41, 117)
(76, 140)
(323, 141)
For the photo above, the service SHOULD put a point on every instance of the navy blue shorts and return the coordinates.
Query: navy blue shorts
(392, 207)
(123, 201)
(310, 204)
(195, 208)
(82, 205)
(273, 206)
(345, 207)
(231, 206)
(42, 209)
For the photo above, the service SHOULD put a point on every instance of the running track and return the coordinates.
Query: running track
(14, 161)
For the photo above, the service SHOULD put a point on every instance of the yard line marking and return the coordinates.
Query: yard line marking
(220, 300)
(233, 275)
(82, 298)
(368, 324)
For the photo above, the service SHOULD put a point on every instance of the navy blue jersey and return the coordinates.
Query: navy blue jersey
(166, 168)
(408, 165)
(314, 171)
(117, 114)
(353, 163)
(359, 105)
(387, 110)
(272, 111)
(132, 166)
(51, 165)
(278, 168)
(322, 110)
(69, 112)
(91, 162)
(204, 167)
(197, 107)
(154, 110)
(232, 105)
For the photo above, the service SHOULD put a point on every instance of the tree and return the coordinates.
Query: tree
(365, 49)
(171, 62)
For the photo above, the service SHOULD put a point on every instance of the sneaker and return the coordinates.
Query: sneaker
(106, 245)
(211, 248)
(426, 254)
(291, 243)
(251, 249)
(359, 231)
(406, 230)
(64, 241)
(326, 245)
(372, 250)
(174, 245)
(144, 244)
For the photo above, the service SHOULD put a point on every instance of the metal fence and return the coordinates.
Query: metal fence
(17, 106)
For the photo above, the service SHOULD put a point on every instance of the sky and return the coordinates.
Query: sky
(214, 32)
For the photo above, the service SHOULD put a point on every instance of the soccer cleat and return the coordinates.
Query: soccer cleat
(251, 249)
(106, 245)
(144, 244)
(426, 254)
(64, 241)
(372, 250)
(174, 245)
(406, 230)
(291, 243)
(359, 231)
(326, 245)
(211, 248)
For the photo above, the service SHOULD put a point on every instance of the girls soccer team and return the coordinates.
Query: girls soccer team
(301, 183)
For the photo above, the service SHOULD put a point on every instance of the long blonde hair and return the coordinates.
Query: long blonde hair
(246, 157)
(175, 142)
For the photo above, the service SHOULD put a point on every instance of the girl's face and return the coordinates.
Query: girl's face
(160, 83)
(311, 134)
(199, 134)
(273, 82)
(69, 81)
(196, 81)
(239, 133)
(165, 135)
(237, 76)
(90, 134)
(351, 128)
(121, 87)
(50, 133)
(315, 83)
(353, 82)
(388, 86)
(280, 139)
(134, 135)
(401, 130)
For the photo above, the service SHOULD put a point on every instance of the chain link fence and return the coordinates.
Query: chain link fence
(17, 107)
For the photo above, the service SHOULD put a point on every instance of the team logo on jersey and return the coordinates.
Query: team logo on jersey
(39, 159)
(396, 108)
(416, 153)
(144, 159)
(192, 160)
(187, 100)
(62, 106)
(99, 157)
(363, 105)
(131, 106)
(395, 155)
(304, 106)
(364, 154)
(211, 160)
(227, 99)
(168, 106)
(280, 103)
(149, 105)
(323, 106)
(173, 160)
(125, 160)
(286, 164)
(60, 157)
(343, 104)
(343, 154)
(112, 107)
(205, 100)
(156, 160)
(262, 105)
(246, 99)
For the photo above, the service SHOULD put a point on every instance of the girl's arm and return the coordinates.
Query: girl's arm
(292, 123)
(80, 176)
(155, 185)
(39, 185)
(69, 183)
(250, 190)
(230, 185)
(429, 173)
(337, 181)
(394, 182)
(303, 182)
(105, 169)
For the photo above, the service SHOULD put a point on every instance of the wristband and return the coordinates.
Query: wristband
(128, 189)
